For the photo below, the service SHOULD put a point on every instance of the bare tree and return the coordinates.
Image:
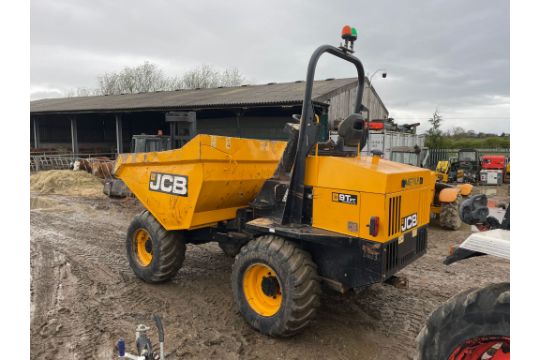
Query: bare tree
(108, 84)
(149, 77)
(458, 131)
(231, 77)
(174, 83)
(203, 76)
(143, 78)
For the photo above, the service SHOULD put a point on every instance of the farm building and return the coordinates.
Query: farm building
(106, 124)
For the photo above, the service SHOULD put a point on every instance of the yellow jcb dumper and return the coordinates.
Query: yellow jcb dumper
(293, 213)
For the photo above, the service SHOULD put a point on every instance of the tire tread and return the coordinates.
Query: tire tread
(168, 256)
(302, 284)
(471, 313)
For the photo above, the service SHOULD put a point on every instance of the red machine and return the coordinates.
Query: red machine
(493, 162)
(494, 170)
(376, 126)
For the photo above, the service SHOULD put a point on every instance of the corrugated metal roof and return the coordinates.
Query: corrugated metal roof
(268, 94)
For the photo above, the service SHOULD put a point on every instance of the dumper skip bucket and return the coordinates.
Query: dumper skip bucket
(204, 182)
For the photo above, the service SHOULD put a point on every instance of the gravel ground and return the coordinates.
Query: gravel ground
(84, 296)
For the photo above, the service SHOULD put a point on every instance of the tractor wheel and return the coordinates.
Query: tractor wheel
(154, 254)
(449, 216)
(275, 285)
(473, 323)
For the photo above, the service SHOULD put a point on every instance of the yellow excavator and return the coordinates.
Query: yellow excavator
(447, 171)
(294, 214)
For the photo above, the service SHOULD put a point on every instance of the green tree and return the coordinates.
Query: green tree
(434, 139)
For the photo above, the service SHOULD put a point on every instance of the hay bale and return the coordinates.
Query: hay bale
(66, 182)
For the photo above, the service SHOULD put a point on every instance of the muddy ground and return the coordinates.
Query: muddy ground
(84, 297)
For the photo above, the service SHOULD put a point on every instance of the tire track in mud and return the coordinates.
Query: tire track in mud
(81, 318)
(107, 291)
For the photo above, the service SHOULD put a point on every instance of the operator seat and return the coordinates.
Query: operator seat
(352, 132)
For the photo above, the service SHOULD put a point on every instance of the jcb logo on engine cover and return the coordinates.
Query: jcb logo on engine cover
(169, 183)
(412, 181)
(408, 222)
(345, 198)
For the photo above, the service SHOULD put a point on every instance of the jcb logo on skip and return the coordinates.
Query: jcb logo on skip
(169, 183)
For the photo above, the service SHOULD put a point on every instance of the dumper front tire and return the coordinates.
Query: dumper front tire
(154, 254)
(275, 285)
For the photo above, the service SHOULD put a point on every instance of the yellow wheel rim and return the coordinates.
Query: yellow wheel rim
(143, 247)
(262, 289)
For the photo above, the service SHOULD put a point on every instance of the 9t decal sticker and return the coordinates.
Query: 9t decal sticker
(408, 222)
(169, 183)
(345, 198)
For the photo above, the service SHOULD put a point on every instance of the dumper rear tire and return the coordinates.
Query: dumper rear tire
(449, 216)
(275, 285)
(155, 254)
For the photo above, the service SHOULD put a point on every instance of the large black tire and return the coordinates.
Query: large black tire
(297, 281)
(449, 216)
(469, 315)
(166, 248)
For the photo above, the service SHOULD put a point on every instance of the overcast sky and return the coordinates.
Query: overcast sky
(451, 55)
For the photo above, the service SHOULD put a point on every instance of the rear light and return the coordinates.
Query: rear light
(374, 226)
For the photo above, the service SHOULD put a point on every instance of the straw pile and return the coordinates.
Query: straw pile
(66, 182)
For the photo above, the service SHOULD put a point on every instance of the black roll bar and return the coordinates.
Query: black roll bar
(308, 132)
